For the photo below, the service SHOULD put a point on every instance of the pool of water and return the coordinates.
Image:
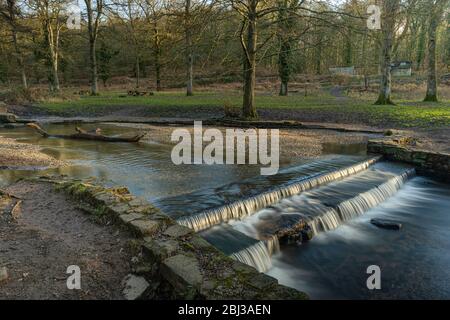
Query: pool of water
(145, 168)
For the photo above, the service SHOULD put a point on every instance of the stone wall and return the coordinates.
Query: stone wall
(426, 162)
(176, 262)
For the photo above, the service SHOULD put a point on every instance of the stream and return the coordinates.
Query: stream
(238, 211)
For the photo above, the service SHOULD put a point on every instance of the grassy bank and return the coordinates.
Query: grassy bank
(325, 108)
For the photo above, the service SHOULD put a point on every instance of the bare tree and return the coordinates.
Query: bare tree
(437, 13)
(153, 12)
(129, 12)
(93, 21)
(286, 36)
(388, 24)
(10, 12)
(251, 12)
(193, 16)
(50, 14)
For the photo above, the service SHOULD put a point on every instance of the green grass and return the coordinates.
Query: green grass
(406, 113)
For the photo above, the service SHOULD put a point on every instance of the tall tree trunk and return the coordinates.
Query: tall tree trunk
(158, 77)
(93, 67)
(431, 69)
(52, 39)
(55, 78)
(420, 50)
(189, 53)
(19, 60)
(284, 69)
(384, 96)
(12, 12)
(138, 71)
(285, 26)
(388, 27)
(348, 51)
(248, 107)
(434, 21)
(157, 55)
(93, 23)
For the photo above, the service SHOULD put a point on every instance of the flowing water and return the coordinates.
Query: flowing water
(289, 182)
(239, 211)
(414, 262)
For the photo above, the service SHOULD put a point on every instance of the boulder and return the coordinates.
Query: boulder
(134, 287)
(386, 224)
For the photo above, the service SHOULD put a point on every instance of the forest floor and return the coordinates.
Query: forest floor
(45, 234)
(323, 107)
(427, 122)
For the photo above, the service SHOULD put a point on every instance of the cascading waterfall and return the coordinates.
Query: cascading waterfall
(259, 255)
(358, 205)
(243, 208)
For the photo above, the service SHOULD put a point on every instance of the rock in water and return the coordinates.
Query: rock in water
(386, 224)
(134, 287)
(3, 274)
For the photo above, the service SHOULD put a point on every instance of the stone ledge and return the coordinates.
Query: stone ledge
(427, 162)
(180, 263)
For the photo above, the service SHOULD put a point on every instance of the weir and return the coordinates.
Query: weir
(358, 205)
(259, 255)
(318, 215)
(251, 251)
(243, 208)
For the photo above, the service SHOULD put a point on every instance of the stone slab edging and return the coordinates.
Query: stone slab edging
(434, 164)
(178, 263)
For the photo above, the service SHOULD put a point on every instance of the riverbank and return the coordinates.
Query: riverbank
(14, 154)
(125, 249)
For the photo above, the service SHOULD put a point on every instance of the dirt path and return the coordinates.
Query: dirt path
(47, 235)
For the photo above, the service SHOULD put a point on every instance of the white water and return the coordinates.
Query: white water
(244, 208)
(358, 205)
(323, 219)
(259, 255)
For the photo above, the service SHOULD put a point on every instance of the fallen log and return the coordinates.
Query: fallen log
(85, 135)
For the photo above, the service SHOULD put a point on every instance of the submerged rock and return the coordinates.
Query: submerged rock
(386, 224)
